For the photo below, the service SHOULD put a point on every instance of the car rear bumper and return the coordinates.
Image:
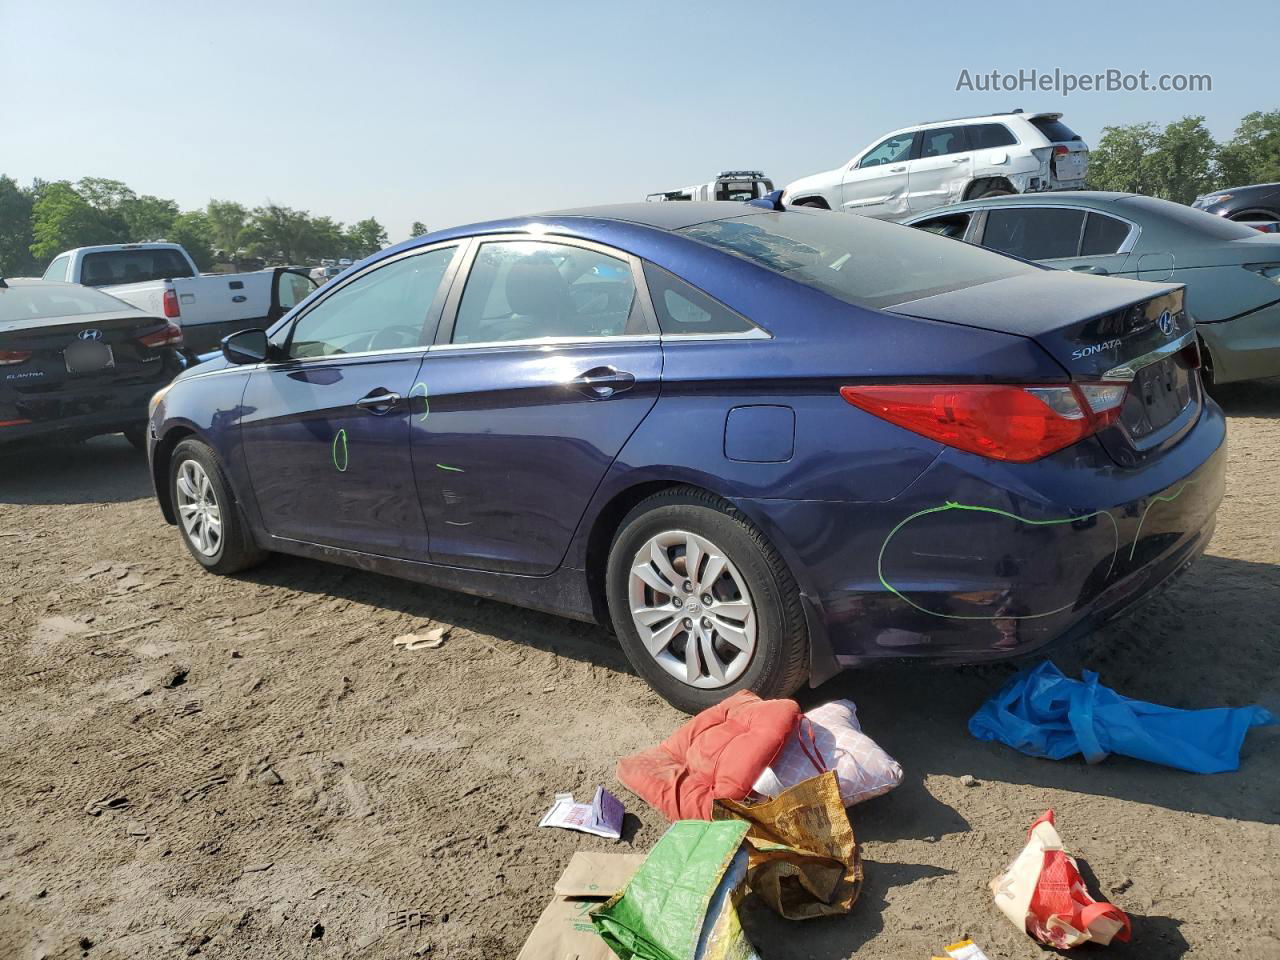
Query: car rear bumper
(77, 415)
(980, 561)
(1246, 348)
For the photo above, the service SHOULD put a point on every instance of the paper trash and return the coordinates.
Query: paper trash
(602, 816)
(564, 931)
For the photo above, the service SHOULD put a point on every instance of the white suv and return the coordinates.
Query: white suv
(934, 164)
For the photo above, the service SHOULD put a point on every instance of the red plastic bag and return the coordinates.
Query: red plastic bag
(1042, 893)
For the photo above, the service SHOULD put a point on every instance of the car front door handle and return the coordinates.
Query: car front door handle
(601, 383)
(959, 159)
(896, 169)
(380, 402)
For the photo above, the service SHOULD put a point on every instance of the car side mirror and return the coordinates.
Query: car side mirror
(246, 346)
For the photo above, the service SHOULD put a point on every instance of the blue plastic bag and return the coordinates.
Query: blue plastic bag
(1043, 713)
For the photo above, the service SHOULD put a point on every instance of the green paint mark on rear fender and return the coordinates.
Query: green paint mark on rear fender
(341, 455)
(950, 505)
(445, 466)
(426, 401)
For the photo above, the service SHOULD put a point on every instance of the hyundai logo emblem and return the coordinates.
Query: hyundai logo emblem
(1167, 326)
(90, 334)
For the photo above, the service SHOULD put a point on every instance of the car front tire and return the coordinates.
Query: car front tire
(209, 519)
(703, 604)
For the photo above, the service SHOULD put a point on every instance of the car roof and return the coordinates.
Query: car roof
(665, 215)
(144, 245)
(1097, 199)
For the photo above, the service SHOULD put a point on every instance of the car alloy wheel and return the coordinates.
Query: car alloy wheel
(198, 508)
(692, 609)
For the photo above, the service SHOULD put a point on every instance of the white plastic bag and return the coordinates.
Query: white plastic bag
(831, 732)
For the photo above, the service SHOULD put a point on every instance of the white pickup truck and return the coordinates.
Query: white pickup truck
(162, 279)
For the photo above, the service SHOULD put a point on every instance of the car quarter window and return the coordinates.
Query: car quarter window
(984, 136)
(1103, 235)
(952, 225)
(942, 141)
(527, 289)
(57, 270)
(893, 150)
(1034, 233)
(384, 309)
(684, 309)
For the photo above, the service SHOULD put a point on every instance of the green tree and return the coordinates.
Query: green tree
(148, 218)
(1118, 161)
(1253, 154)
(227, 220)
(15, 229)
(61, 219)
(1182, 164)
(280, 234)
(366, 237)
(330, 238)
(418, 229)
(193, 231)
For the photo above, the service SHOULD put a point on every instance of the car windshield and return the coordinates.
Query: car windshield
(22, 302)
(1187, 218)
(862, 261)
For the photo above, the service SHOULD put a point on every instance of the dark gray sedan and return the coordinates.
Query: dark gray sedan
(1232, 271)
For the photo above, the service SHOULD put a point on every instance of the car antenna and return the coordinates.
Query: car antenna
(3, 285)
(770, 201)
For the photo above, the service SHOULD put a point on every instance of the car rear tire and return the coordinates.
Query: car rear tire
(209, 518)
(737, 603)
(992, 192)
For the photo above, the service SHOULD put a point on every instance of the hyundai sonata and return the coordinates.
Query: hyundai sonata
(762, 444)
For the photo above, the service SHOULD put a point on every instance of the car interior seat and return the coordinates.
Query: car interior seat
(537, 291)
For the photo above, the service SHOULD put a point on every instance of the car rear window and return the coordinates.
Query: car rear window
(862, 261)
(133, 266)
(1054, 130)
(37, 302)
(1204, 224)
(984, 136)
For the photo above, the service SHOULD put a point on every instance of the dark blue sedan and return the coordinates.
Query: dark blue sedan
(764, 445)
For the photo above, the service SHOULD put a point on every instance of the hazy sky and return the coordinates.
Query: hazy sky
(460, 111)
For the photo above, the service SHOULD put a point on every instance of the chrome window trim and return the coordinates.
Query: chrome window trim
(1126, 245)
(548, 342)
(755, 333)
(1129, 369)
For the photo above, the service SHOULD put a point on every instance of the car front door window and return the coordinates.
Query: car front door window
(384, 309)
(896, 149)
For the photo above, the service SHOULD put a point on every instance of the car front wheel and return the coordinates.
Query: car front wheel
(208, 516)
(702, 602)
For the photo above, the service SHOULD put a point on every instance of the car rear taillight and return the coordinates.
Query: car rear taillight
(14, 356)
(1060, 150)
(171, 308)
(170, 335)
(1003, 422)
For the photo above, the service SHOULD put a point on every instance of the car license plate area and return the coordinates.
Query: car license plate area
(1158, 394)
(88, 357)
(1069, 166)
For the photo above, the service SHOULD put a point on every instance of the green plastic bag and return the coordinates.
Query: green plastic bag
(662, 913)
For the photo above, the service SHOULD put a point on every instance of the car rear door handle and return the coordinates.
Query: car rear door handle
(960, 160)
(897, 169)
(601, 383)
(380, 402)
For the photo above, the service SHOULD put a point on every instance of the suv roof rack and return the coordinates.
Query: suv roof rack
(974, 116)
(759, 174)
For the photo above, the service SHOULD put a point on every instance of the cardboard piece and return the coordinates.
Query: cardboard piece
(564, 931)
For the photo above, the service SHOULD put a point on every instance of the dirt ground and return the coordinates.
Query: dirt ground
(247, 768)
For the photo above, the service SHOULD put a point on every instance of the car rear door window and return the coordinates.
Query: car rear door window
(984, 136)
(1103, 235)
(893, 150)
(527, 290)
(384, 309)
(1034, 233)
(943, 140)
(685, 310)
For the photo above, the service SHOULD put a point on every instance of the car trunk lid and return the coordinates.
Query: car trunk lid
(87, 351)
(1100, 329)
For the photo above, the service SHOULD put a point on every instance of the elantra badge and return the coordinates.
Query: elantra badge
(1166, 324)
(90, 334)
